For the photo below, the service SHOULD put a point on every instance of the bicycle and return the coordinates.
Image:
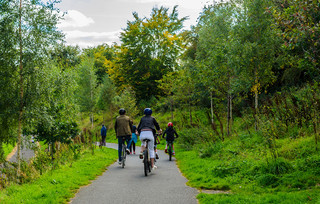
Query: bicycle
(170, 152)
(146, 159)
(123, 152)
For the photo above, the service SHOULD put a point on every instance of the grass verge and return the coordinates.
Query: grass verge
(7, 149)
(58, 186)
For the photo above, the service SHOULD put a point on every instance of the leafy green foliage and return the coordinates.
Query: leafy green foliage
(149, 50)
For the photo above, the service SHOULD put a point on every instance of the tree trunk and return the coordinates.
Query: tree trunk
(190, 114)
(229, 114)
(211, 99)
(256, 95)
(171, 104)
(21, 92)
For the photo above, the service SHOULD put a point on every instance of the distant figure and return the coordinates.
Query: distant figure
(103, 135)
(134, 139)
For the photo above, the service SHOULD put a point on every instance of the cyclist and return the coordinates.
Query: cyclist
(123, 128)
(147, 130)
(170, 132)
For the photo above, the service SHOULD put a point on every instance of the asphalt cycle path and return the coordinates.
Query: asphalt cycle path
(129, 185)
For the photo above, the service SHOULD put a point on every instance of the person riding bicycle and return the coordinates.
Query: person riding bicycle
(170, 132)
(147, 129)
(123, 128)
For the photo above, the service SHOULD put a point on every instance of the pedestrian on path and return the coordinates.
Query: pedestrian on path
(103, 135)
(133, 140)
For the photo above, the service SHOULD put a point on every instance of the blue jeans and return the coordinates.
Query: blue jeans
(120, 141)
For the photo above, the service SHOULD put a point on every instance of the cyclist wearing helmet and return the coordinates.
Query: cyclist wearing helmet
(123, 128)
(170, 136)
(147, 129)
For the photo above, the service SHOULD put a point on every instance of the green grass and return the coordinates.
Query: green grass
(306, 196)
(58, 186)
(7, 148)
(244, 167)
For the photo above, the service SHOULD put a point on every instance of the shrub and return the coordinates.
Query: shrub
(188, 138)
(267, 180)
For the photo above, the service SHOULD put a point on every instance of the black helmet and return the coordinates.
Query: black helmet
(122, 111)
(147, 111)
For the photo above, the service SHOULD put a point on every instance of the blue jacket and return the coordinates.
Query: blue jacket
(103, 131)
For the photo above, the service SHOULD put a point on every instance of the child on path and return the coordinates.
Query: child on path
(170, 132)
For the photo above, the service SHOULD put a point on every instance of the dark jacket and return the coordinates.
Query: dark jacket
(103, 131)
(134, 129)
(123, 126)
(148, 122)
(170, 132)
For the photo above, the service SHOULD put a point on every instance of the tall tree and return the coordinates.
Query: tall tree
(298, 26)
(32, 32)
(259, 45)
(149, 50)
(87, 90)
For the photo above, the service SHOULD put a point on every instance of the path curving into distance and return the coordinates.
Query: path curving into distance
(128, 185)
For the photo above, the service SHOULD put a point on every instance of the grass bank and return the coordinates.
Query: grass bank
(58, 186)
(248, 169)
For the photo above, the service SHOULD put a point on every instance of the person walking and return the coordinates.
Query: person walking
(123, 128)
(133, 140)
(103, 135)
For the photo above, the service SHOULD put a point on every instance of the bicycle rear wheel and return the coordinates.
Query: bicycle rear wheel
(145, 162)
(170, 151)
(123, 160)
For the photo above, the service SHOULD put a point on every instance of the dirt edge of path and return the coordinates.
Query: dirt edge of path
(12, 153)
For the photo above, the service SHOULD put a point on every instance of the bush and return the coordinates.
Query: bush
(188, 138)
(267, 180)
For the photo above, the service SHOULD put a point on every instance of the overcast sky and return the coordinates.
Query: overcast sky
(93, 22)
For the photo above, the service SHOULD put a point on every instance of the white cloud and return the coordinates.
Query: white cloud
(75, 19)
(85, 39)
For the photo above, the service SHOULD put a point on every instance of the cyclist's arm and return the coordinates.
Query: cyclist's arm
(164, 133)
(176, 134)
(156, 124)
(115, 127)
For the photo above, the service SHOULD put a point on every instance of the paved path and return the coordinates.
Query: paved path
(26, 151)
(165, 185)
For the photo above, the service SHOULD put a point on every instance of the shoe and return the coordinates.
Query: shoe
(141, 155)
(173, 153)
(134, 152)
(154, 167)
(119, 163)
(157, 156)
(128, 151)
(166, 151)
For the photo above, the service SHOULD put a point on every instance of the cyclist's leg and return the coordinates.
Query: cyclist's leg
(151, 150)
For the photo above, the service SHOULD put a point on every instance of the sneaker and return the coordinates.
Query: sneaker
(173, 153)
(154, 167)
(134, 152)
(166, 151)
(119, 163)
(141, 155)
(128, 151)
(157, 156)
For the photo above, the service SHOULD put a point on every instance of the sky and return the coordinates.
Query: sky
(90, 23)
